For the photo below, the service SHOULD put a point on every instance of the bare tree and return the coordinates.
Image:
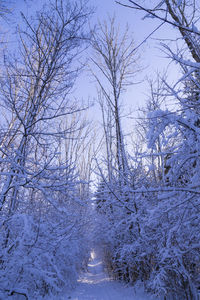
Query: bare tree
(35, 91)
(114, 66)
(182, 15)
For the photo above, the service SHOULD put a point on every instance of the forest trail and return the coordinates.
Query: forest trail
(95, 285)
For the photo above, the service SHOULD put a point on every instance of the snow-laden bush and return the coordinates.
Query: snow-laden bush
(154, 238)
(40, 256)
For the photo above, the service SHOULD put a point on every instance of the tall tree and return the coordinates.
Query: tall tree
(42, 209)
(116, 64)
(172, 227)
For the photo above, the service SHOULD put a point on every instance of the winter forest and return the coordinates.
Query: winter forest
(69, 185)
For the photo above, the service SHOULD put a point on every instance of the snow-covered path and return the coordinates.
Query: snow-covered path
(95, 285)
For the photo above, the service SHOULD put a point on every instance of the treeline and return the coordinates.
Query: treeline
(148, 202)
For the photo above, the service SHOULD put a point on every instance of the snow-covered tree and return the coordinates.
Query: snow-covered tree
(43, 210)
(171, 225)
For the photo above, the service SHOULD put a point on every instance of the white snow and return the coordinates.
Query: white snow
(95, 285)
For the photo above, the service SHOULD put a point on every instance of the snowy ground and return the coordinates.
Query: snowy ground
(95, 285)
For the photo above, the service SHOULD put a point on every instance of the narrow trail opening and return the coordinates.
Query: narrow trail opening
(96, 285)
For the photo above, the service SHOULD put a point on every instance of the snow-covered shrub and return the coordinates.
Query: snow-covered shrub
(41, 255)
